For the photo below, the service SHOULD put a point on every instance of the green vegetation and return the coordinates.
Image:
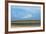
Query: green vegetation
(26, 23)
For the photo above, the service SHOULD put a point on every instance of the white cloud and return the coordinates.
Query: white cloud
(27, 16)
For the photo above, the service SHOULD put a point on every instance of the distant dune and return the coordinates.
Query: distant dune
(26, 21)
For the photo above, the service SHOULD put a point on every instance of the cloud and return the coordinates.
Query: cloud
(27, 16)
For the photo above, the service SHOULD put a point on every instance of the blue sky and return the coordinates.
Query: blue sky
(25, 13)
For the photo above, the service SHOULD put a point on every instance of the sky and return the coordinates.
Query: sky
(25, 12)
